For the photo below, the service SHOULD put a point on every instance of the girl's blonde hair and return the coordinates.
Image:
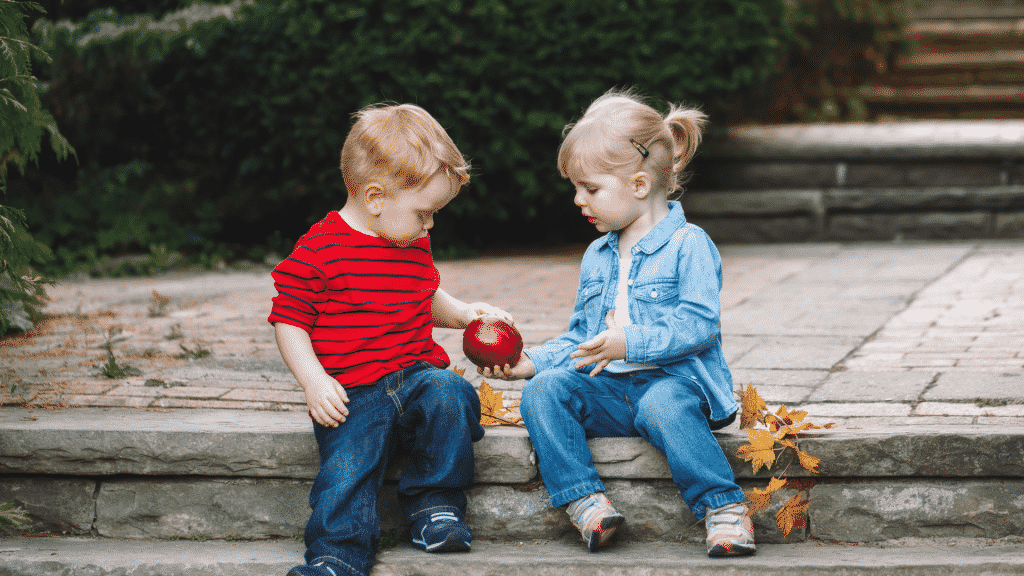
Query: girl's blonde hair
(402, 144)
(621, 134)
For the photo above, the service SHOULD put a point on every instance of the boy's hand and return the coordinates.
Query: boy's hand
(602, 349)
(522, 370)
(478, 309)
(326, 400)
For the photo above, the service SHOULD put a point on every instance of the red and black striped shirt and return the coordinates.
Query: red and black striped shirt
(364, 302)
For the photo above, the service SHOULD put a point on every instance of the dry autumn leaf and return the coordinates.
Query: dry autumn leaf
(492, 407)
(760, 451)
(760, 499)
(793, 514)
(809, 462)
(752, 406)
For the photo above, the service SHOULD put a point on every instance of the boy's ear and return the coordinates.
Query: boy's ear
(641, 185)
(373, 198)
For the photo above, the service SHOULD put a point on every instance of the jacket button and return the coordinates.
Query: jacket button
(654, 293)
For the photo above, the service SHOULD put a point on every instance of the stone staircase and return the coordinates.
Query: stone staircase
(890, 181)
(967, 62)
(224, 492)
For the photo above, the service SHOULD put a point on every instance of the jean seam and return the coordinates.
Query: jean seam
(392, 392)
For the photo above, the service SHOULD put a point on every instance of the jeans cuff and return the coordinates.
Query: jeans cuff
(731, 497)
(337, 563)
(566, 496)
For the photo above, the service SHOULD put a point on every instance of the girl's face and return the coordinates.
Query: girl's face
(608, 201)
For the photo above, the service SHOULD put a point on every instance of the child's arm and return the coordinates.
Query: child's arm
(324, 396)
(450, 312)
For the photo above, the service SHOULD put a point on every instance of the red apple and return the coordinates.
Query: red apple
(490, 341)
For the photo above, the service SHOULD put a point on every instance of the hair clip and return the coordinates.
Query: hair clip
(639, 148)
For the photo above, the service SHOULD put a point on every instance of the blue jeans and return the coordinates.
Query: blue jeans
(433, 413)
(563, 408)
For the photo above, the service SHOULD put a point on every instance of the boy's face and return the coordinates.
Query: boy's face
(407, 214)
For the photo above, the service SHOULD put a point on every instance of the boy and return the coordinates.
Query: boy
(357, 301)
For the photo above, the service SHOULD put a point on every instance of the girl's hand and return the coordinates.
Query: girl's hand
(522, 370)
(326, 400)
(602, 349)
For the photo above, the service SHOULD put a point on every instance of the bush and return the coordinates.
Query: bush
(25, 124)
(226, 131)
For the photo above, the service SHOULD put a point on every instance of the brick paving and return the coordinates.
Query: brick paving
(860, 334)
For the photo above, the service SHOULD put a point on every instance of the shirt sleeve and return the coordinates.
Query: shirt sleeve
(301, 290)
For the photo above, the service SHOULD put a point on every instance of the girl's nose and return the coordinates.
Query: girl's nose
(579, 200)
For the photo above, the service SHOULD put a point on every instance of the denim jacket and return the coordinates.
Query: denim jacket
(674, 283)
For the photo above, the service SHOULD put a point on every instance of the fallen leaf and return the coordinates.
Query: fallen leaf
(753, 406)
(809, 462)
(792, 514)
(760, 499)
(492, 407)
(760, 451)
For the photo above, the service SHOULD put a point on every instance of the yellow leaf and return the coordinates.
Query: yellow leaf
(807, 461)
(492, 407)
(798, 415)
(775, 484)
(459, 371)
(758, 500)
(752, 406)
(792, 514)
(760, 451)
(794, 430)
(787, 443)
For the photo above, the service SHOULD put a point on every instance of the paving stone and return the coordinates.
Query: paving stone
(797, 353)
(873, 511)
(981, 385)
(873, 386)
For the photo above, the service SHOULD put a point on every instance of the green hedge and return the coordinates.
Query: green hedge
(198, 128)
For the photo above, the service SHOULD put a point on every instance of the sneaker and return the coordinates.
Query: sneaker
(318, 568)
(730, 531)
(596, 519)
(441, 532)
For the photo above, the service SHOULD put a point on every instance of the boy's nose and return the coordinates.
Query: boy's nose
(578, 200)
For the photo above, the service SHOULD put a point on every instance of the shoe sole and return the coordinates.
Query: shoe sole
(719, 550)
(445, 546)
(604, 534)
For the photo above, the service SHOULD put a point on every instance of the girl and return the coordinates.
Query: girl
(643, 354)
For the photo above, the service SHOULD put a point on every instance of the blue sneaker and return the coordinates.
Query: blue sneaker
(319, 567)
(441, 532)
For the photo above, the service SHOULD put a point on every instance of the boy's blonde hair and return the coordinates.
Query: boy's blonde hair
(620, 134)
(401, 144)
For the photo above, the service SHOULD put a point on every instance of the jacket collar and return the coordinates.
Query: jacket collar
(657, 237)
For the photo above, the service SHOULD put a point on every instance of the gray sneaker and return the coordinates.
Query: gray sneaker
(730, 531)
(596, 519)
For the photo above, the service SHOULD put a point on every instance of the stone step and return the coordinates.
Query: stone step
(110, 557)
(969, 9)
(235, 474)
(949, 35)
(853, 214)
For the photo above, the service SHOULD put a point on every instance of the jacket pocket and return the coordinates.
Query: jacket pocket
(655, 299)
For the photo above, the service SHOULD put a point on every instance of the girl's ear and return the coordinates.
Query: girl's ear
(641, 185)
(373, 198)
